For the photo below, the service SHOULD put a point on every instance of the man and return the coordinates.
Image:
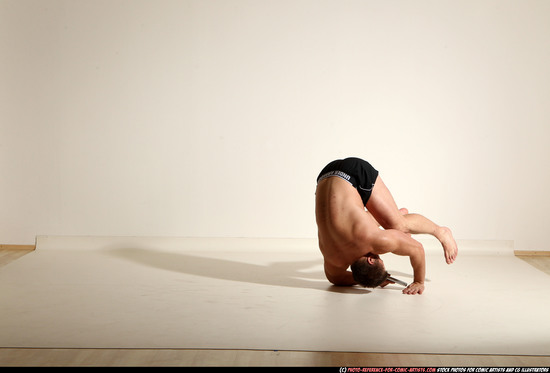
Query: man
(351, 236)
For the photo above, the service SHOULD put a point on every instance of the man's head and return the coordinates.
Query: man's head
(369, 271)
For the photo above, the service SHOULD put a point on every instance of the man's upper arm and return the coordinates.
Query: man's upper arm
(396, 242)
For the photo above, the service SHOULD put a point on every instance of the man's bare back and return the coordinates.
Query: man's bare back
(342, 224)
(347, 232)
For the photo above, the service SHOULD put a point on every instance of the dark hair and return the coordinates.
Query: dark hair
(368, 275)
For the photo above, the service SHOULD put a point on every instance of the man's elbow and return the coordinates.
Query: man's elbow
(346, 280)
(418, 254)
(419, 249)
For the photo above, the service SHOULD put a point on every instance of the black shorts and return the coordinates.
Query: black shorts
(359, 173)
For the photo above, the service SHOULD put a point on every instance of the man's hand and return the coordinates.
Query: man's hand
(414, 288)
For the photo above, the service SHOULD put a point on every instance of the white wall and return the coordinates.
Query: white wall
(213, 118)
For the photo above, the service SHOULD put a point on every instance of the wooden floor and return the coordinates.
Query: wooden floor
(185, 357)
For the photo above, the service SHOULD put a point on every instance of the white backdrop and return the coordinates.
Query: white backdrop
(213, 117)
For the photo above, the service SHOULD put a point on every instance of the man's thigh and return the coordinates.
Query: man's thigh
(383, 208)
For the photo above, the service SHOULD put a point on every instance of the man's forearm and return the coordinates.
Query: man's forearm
(418, 263)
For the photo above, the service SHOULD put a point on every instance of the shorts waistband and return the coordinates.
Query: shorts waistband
(337, 173)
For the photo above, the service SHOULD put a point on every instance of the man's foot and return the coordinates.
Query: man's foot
(450, 248)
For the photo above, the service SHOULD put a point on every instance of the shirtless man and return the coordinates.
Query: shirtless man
(351, 236)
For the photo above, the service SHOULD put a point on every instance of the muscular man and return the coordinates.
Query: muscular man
(351, 236)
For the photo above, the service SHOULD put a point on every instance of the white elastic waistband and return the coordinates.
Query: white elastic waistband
(336, 173)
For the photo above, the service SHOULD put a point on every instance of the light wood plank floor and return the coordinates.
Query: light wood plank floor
(185, 357)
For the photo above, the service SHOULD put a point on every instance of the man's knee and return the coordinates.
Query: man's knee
(399, 224)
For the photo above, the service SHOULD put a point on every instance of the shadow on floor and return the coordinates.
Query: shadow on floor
(289, 274)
